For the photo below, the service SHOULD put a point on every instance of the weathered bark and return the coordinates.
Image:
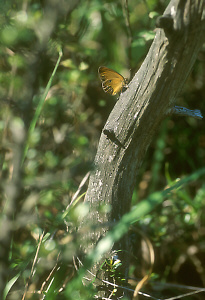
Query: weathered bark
(139, 112)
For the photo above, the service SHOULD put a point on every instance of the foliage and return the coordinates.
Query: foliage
(52, 112)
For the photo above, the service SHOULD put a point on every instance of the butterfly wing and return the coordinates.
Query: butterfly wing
(112, 86)
(112, 82)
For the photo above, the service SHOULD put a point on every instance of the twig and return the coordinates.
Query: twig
(79, 189)
(34, 263)
(49, 276)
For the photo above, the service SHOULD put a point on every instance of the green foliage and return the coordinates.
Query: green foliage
(51, 116)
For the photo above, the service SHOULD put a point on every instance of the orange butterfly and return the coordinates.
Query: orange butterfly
(112, 82)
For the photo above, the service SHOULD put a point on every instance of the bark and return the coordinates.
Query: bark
(138, 114)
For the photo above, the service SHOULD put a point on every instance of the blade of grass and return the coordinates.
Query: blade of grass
(139, 211)
(39, 107)
(10, 284)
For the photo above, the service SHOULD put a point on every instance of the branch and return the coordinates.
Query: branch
(138, 113)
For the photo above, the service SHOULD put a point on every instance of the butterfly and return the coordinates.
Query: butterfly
(112, 82)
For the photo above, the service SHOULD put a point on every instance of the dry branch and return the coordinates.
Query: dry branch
(138, 113)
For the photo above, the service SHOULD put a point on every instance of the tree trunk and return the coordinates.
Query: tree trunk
(138, 114)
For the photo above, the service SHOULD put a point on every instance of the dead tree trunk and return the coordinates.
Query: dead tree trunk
(138, 114)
